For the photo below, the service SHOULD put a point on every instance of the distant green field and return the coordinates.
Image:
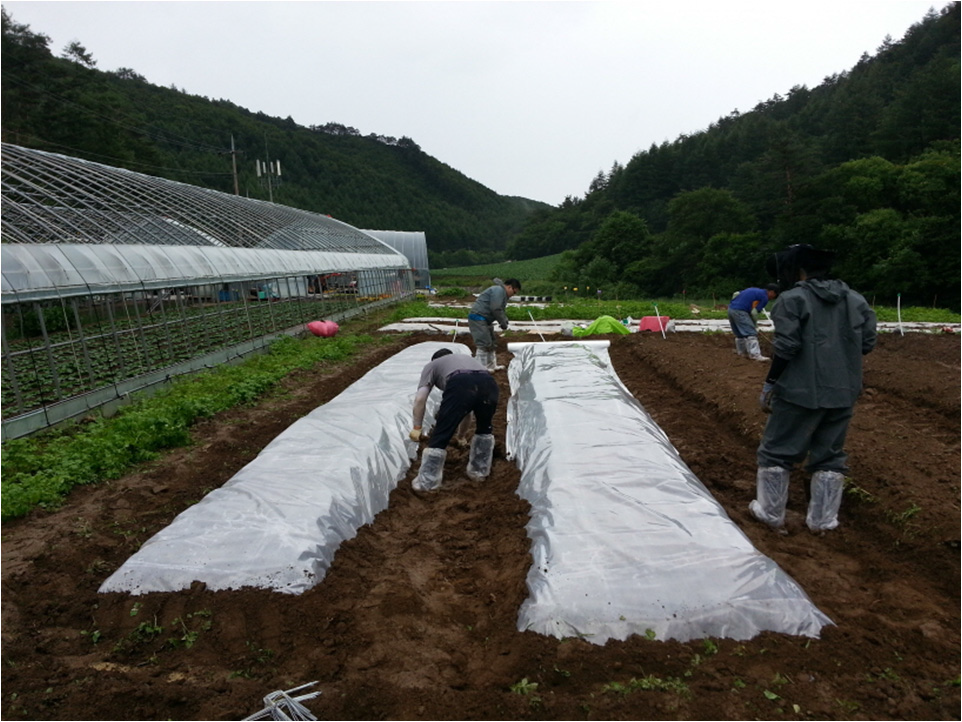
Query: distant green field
(535, 269)
(587, 308)
(534, 274)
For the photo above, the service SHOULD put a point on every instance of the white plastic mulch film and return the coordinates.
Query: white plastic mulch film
(624, 537)
(278, 522)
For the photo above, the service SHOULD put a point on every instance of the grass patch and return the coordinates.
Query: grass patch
(40, 470)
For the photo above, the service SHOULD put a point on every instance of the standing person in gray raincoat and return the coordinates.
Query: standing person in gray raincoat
(822, 330)
(488, 308)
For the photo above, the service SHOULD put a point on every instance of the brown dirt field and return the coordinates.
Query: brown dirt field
(417, 616)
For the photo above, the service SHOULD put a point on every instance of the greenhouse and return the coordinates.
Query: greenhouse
(412, 244)
(115, 282)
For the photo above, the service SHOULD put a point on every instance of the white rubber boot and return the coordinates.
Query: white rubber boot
(771, 496)
(740, 347)
(488, 360)
(826, 500)
(479, 462)
(754, 350)
(431, 471)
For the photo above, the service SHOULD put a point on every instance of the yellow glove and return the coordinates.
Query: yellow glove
(415, 434)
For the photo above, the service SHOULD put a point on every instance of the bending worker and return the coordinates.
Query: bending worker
(466, 387)
(742, 313)
(822, 330)
(488, 308)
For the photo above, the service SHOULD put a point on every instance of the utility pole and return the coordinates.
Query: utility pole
(233, 159)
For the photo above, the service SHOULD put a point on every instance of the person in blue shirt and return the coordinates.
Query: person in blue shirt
(742, 313)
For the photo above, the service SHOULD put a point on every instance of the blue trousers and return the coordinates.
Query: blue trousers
(742, 323)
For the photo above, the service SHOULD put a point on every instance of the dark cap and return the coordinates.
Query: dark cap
(787, 265)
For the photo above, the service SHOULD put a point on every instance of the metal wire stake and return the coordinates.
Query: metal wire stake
(531, 316)
(280, 704)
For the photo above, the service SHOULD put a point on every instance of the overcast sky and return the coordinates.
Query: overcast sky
(528, 98)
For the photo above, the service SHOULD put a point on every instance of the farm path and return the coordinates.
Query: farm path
(416, 618)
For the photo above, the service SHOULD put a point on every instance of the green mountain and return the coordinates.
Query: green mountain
(65, 105)
(866, 164)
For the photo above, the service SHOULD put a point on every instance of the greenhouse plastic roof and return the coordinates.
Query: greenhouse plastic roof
(51, 198)
(412, 244)
(37, 271)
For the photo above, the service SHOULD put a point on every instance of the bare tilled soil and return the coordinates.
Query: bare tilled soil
(417, 616)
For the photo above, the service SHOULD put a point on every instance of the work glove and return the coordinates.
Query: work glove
(415, 435)
(765, 399)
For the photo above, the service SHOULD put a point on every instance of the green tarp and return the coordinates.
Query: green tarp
(602, 324)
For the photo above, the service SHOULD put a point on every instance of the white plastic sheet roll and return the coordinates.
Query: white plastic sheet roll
(277, 523)
(625, 539)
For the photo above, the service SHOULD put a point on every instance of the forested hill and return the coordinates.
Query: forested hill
(866, 164)
(66, 105)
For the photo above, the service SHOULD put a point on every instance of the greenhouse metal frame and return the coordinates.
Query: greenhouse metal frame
(114, 281)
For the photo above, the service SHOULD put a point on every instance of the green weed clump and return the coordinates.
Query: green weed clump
(648, 683)
(40, 470)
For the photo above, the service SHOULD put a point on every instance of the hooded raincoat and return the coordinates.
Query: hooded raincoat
(823, 328)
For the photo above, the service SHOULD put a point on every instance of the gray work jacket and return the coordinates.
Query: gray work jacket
(491, 304)
(823, 328)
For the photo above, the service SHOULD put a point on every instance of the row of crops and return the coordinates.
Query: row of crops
(60, 349)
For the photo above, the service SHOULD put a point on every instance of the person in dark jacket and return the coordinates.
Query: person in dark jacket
(467, 388)
(822, 330)
(490, 307)
(742, 316)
